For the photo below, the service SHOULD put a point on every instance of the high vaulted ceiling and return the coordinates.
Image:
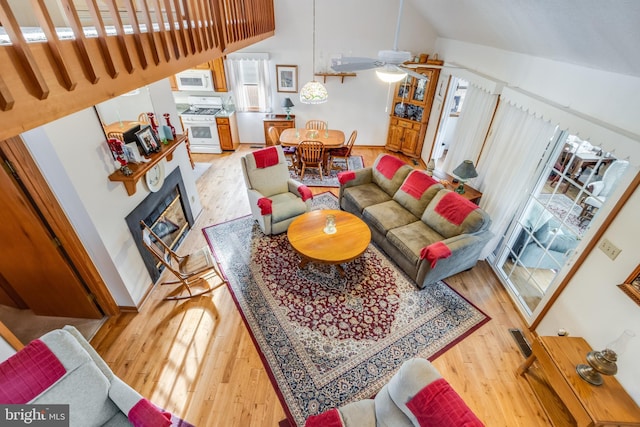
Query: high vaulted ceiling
(600, 34)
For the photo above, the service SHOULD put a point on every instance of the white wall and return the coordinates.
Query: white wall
(73, 155)
(591, 306)
(342, 27)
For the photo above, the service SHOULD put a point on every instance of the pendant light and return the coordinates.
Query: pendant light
(313, 92)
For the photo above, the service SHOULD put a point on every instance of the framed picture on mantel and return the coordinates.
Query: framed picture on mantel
(287, 77)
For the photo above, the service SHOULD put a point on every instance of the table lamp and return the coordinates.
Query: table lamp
(464, 172)
(287, 104)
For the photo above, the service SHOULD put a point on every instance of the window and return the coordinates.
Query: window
(249, 76)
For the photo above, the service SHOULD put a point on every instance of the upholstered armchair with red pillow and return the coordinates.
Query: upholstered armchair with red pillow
(61, 367)
(275, 199)
(416, 396)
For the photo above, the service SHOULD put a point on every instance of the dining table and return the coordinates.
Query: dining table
(330, 138)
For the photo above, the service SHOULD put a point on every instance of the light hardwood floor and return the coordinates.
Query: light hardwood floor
(197, 359)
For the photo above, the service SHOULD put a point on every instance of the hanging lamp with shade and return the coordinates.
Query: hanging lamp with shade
(313, 92)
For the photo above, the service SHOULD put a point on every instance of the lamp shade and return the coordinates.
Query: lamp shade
(287, 103)
(465, 170)
(313, 93)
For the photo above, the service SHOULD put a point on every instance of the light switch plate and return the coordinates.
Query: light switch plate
(609, 248)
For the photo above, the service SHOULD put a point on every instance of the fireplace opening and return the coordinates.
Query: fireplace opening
(169, 216)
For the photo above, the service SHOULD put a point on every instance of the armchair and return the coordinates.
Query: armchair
(275, 198)
(600, 190)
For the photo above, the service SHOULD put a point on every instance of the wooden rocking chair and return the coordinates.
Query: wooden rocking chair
(189, 269)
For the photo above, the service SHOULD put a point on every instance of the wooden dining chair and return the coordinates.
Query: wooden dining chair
(311, 155)
(316, 124)
(198, 266)
(289, 152)
(143, 118)
(343, 152)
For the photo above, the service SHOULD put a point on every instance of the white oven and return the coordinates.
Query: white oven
(200, 121)
(195, 80)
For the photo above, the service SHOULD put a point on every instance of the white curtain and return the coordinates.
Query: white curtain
(473, 124)
(508, 165)
(438, 150)
(249, 78)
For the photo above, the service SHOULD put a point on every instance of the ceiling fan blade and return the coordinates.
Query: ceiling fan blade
(413, 73)
(353, 63)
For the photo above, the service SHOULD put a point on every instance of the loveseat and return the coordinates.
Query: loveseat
(430, 232)
(416, 396)
(61, 367)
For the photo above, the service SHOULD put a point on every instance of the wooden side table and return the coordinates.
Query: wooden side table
(567, 399)
(279, 121)
(470, 193)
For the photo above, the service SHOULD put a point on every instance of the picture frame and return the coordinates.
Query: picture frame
(132, 153)
(631, 286)
(287, 78)
(148, 140)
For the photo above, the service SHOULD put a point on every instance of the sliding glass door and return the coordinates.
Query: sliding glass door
(575, 181)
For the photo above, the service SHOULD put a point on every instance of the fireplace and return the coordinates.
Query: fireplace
(169, 215)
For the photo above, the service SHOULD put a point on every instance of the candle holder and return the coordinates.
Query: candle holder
(330, 224)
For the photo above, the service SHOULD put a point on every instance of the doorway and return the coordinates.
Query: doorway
(575, 181)
(46, 269)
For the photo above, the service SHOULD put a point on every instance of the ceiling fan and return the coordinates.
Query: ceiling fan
(388, 65)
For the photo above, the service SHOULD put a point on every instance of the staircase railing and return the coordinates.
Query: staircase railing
(56, 62)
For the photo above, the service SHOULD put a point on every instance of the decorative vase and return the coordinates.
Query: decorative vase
(167, 117)
(153, 122)
(431, 165)
(330, 224)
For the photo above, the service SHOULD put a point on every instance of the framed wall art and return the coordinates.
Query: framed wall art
(631, 286)
(287, 78)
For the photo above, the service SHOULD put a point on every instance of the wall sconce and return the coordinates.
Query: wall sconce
(464, 172)
(604, 361)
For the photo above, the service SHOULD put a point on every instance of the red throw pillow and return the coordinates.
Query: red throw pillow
(264, 204)
(146, 414)
(305, 193)
(28, 373)
(330, 418)
(417, 183)
(346, 176)
(389, 165)
(455, 208)
(266, 157)
(434, 252)
(439, 405)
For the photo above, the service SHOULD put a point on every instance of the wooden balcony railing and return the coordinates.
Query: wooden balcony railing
(63, 61)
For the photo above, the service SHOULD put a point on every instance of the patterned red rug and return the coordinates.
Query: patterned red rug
(325, 339)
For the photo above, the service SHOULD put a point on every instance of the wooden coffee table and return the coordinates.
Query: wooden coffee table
(307, 237)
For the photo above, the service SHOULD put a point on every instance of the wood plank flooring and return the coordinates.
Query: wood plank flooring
(196, 358)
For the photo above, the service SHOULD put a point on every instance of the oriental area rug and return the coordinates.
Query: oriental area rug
(327, 340)
(312, 177)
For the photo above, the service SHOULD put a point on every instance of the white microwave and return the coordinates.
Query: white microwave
(196, 80)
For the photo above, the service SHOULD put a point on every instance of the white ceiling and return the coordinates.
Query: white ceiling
(601, 34)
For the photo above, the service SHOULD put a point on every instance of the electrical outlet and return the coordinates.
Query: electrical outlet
(609, 248)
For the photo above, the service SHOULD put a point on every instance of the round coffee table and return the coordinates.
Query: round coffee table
(307, 237)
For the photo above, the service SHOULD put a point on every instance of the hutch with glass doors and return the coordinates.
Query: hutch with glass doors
(410, 110)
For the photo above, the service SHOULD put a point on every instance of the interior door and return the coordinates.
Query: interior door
(33, 265)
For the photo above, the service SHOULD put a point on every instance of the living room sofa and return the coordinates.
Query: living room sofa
(430, 232)
(61, 367)
(416, 396)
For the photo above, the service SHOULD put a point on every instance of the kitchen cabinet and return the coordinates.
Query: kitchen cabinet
(410, 110)
(278, 121)
(228, 131)
(216, 66)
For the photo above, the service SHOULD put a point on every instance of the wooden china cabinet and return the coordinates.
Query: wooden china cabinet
(410, 110)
